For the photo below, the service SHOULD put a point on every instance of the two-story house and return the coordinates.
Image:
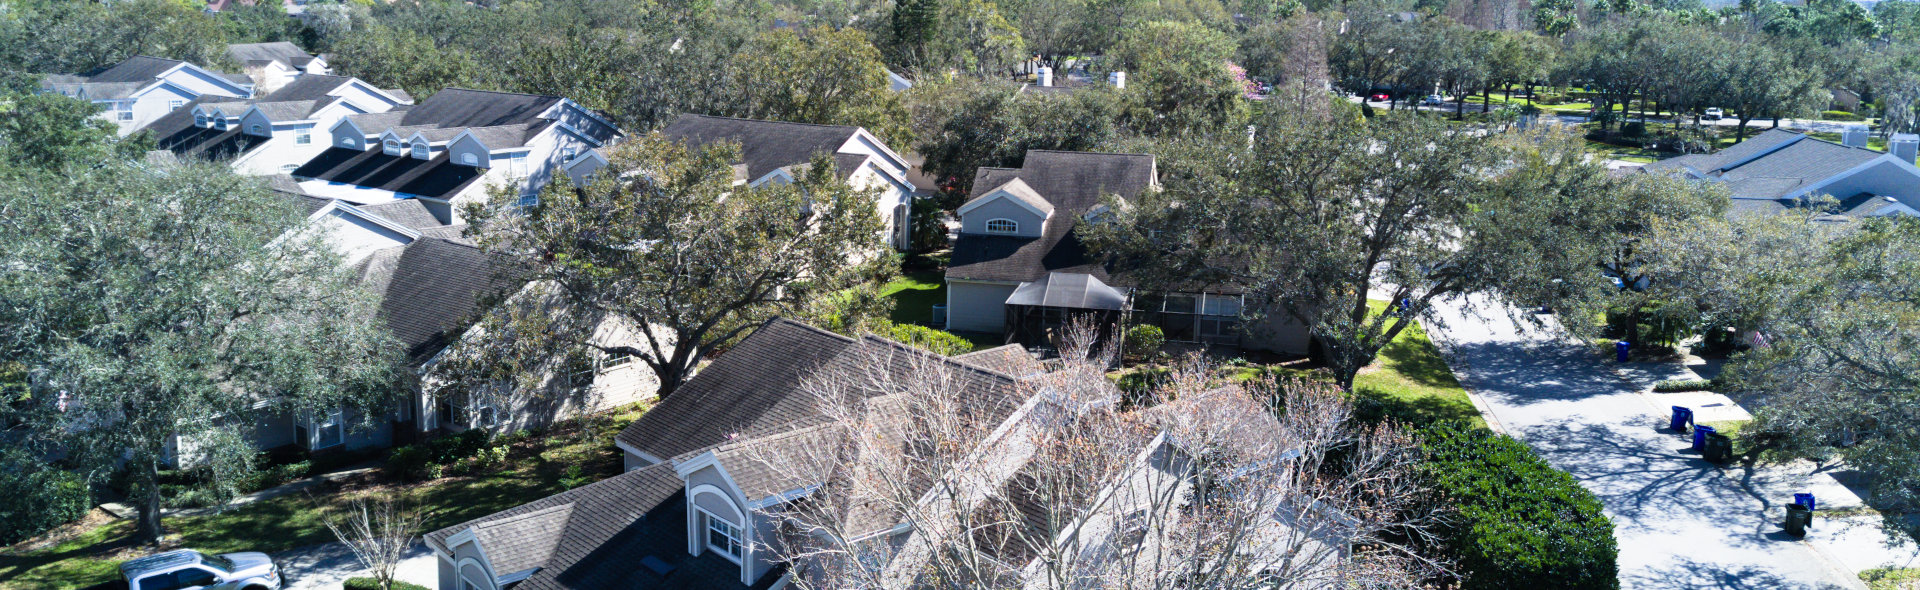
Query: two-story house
(707, 502)
(274, 133)
(774, 151)
(452, 148)
(1019, 268)
(135, 92)
(275, 64)
(429, 279)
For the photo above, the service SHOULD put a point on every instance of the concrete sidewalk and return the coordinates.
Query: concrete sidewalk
(1681, 522)
(327, 566)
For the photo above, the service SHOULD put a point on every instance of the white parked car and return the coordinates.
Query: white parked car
(185, 569)
(1713, 114)
(1433, 100)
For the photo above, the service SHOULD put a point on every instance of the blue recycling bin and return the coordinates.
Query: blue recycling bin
(1682, 416)
(1620, 350)
(1700, 432)
(1804, 500)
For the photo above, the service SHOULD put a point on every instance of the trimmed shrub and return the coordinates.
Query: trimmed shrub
(944, 343)
(1634, 129)
(1144, 340)
(1520, 523)
(1840, 116)
(40, 497)
(428, 460)
(1678, 385)
(372, 584)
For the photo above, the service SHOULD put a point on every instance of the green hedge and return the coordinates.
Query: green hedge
(1840, 116)
(1677, 385)
(945, 343)
(39, 497)
(372, 584)
(1521, 523)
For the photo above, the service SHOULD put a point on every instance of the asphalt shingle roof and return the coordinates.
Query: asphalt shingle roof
(1011, 359)
(609, 528)
(426, 288)
(765, 146)
(139, 69)
(460, 107)
(1073, 182)
(753, 386)
(280, 51)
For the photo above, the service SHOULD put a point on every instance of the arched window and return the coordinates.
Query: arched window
(468, 159)
(220, 122)
(200, 120)
(391, 146)
(420, 150)
(1002, 226)
(254, 129)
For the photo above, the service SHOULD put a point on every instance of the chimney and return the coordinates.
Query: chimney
(1117, 79)
(1044, 75)
(1904, 146)
(1854, 136)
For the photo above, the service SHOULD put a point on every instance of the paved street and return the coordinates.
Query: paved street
(1681, 522)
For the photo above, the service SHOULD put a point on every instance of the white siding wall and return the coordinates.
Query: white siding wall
(1886, 177)
(146, 109)
(977, 307)
(282, 151)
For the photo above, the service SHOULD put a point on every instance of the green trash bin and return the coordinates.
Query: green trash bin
(1719, 448)
(1798, 519)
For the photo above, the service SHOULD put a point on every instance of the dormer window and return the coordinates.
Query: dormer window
(255, 129)
(1002, 226)
(346, 142)
(200, 120)
(420, 150)
(220, 122)
(723, 537)
(468, 159)
(391, 147)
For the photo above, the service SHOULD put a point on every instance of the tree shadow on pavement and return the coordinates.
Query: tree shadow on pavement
(1690, 573)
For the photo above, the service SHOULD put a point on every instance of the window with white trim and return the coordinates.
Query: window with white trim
(469, 159)
(722, 536)
(391, 147)
(566, 155)
(420, 150)
(289, 168)
(124, 110)
(302, 136)
(1002, 226)
(174, 105)
(346, 142)
(220, 122)
(325, 430)
(255, 129)
(517, 165)
(200, 120)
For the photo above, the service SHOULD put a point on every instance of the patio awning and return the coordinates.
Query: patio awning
(1068, 290)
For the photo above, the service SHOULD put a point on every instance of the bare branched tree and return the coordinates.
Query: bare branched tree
(378, 530)
(932, 474)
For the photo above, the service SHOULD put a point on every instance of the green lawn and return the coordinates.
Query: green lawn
(1892, 578)
(535, 470)
(1411, 383)
(914, 295)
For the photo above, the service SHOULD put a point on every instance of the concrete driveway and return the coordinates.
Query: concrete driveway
(327, 566)
(1680, 521)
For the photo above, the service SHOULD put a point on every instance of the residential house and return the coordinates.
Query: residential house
(701, 506)
(272, 65)
(776, 151)
(135, 92)
(1019, 268)
(1779, 170)
(274, 133)
(429, 280)
(451, 148)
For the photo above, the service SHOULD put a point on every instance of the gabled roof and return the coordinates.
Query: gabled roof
(283, 52)
(460, 107)
(1073, 183)
(1016, 189)
(426, 288)
(611, 530)
(752, 387)
(765, 146)
(1012, 359)
(309, 87)
(140, 68)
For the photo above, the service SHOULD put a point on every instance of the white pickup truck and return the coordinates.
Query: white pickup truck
(185, 569)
